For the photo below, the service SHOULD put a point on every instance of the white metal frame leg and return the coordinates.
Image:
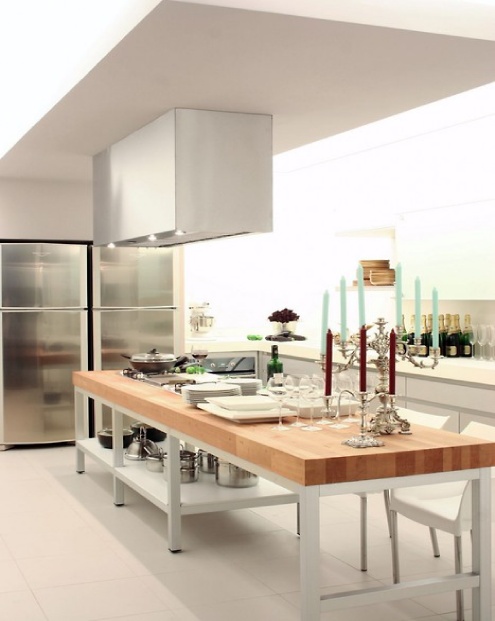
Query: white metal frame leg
(482, 545)
(173, 490)
(309, 563)
(118, 455)
(82, 426)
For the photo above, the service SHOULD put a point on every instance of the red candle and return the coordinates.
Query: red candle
(391, 364)
(328, 364)
(362, 359)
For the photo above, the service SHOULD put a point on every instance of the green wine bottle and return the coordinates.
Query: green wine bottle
(274, 364)
(467, 338)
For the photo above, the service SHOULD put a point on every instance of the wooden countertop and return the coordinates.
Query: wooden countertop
(306, 458)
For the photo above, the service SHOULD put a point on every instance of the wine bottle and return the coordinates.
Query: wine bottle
(410, 334)
(274, 364)
(453, 342)
(466, 338)
(429, 332)
(423, 348)
(442, 334)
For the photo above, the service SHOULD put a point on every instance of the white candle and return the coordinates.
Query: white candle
(434, 311)
(343, 310)
(417, 308)
(398, 295)
(324, 322)
(360, 281)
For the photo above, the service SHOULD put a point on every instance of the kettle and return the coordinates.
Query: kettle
(141, 447)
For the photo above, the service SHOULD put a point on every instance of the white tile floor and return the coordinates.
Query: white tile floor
(68, 554)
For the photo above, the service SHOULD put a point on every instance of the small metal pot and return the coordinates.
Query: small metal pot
(189, 470)
(230, 475)
(154, 462)
(152, 362)
(206, 462)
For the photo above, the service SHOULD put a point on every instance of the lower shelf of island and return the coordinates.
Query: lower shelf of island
(201, 496)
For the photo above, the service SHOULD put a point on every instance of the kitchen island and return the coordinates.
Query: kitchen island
(300, 467)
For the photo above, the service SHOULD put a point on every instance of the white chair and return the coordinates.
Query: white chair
(442, 506)
(416, 418)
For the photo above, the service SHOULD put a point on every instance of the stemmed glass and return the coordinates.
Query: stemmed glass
(276, 387)
(482, 338)
(345, 386)
(199, 352)
(313, 394)
(491, 341)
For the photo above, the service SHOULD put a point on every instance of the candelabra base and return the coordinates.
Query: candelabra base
(363, 441)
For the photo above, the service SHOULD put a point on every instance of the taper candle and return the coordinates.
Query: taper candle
(328, 363)
(417, 308)
(324, 321)
(434, 324)
(360, 281)
(391, 363)
(398, 294)
(362, 359)
(343, 310)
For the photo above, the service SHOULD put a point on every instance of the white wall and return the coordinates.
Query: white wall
(368, 180)
(45, 210)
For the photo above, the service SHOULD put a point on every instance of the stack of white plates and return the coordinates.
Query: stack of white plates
(248, 386)
(199, 393)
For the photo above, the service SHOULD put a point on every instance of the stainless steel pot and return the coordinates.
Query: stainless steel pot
(189, 470)
(154, 462)
(206, 462)
(230, 475)
(151, 432)
(152, 362)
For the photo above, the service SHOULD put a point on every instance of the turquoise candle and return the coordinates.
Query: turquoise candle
(434, 323)
(324, 322)
(343, 309)
(360, 281)
(398, 294)
(417, 308)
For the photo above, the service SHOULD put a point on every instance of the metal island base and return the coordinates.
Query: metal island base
(294, 467)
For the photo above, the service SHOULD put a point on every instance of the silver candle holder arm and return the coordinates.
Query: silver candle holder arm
(386, 419)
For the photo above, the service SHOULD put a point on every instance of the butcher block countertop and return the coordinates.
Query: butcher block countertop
(303, 457)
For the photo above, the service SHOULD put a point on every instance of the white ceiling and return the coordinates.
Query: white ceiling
(317, 77)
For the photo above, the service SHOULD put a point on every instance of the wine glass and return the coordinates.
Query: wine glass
(276, 387)
(199, 351)
(346, 386)
(315, 393)
(482, 338)
(491, 341)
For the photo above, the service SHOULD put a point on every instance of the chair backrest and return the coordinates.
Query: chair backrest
(484, 432)
(479, 430)
(427, 420)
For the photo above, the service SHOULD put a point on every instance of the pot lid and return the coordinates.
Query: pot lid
(152, 356)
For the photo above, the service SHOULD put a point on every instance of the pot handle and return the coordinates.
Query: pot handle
(126, 357)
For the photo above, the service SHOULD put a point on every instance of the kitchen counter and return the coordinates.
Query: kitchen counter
(310, 465)
(464, 370)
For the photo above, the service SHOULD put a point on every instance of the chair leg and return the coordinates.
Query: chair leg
(395, 547)
(434, 542)
(459, 595)
(364, 531)
(386, 498)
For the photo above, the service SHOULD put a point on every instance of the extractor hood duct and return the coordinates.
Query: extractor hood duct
(190, 175)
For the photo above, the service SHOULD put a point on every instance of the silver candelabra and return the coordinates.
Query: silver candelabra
(386, 419)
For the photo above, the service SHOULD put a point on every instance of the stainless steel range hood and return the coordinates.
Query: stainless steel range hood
(190, 175)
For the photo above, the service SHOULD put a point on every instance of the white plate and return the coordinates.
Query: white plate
(245, 416)
(244, 402)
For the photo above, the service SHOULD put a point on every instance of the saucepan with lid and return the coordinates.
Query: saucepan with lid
(152, 361)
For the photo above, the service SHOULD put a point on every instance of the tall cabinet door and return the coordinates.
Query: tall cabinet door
(42, 275)
(40, 350)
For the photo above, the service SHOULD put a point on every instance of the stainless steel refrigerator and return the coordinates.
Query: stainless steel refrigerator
(44, 337)
(137, 300)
